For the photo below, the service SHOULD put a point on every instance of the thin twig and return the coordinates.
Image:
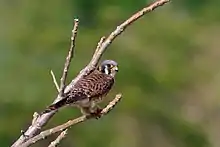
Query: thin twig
(70, 123)
(54, 80)
(42, 120)
(69, 57)
(58, 139)
(35, 116)
(99, 45)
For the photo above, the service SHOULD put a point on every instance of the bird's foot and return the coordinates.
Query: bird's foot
(97, 114)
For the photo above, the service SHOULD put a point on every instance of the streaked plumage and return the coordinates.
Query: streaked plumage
(89, 90)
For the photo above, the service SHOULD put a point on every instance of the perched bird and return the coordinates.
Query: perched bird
(89, 90)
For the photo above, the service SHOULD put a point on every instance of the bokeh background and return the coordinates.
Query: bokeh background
(169, 70)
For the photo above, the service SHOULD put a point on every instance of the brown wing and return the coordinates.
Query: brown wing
(94, 85)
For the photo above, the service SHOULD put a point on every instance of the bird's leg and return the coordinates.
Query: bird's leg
(85, 110)
(88, 112)
(96, 110)
(92, 110)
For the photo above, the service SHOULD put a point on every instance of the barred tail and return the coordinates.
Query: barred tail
(55, 106)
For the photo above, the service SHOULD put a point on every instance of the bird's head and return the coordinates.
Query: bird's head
(109, 67)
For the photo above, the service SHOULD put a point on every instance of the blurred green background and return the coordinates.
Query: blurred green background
(169, 70)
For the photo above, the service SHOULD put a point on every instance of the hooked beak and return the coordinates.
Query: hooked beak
(116, 68)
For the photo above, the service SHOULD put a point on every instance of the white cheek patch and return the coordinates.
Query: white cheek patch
(106, 70)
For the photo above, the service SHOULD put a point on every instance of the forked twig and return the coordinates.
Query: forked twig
(70, 123)
(98, 54)
(42, 120)
(63, 133)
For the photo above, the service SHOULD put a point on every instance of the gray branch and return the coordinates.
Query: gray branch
(42, 120)
(70, 123)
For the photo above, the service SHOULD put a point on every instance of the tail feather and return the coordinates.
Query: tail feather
(55, 106)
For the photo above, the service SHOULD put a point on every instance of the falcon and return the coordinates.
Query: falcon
(89, 90)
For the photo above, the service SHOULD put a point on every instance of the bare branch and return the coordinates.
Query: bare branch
(58, 139)
(98, 54)
(55, 81)
(70, 123)
(69, 57)
(42, 120)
